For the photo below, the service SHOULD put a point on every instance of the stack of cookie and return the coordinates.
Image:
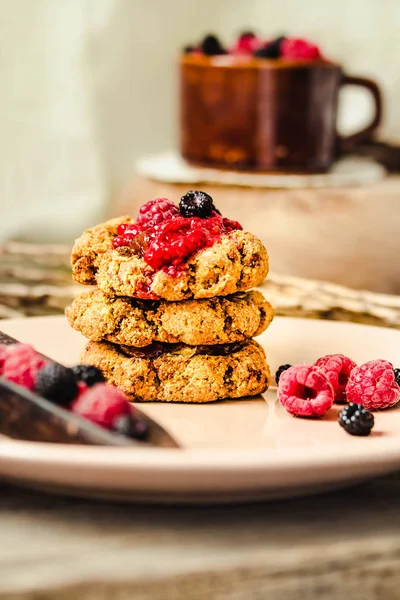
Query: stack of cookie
(172, 318)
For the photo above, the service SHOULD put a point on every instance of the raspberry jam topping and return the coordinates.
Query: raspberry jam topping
(166, 239)
(143, 290)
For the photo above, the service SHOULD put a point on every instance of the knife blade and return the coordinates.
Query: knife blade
(25, 415)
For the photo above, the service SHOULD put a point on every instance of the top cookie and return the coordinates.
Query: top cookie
(168, 255)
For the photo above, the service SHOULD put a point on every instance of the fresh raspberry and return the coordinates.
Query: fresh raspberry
(246, 44)
(106, 406)
(337, 368)
(296, 48)
(102, 404)
(155, 212)
(21, 365)
(305, 391)
(373, 385)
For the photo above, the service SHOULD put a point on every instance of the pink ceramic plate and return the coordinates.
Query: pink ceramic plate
(233, 451)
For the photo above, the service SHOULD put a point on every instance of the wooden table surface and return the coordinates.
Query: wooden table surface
(340, 545)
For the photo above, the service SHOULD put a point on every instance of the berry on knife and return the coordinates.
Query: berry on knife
(196, 204)
(305, 391)
(102, 404)
(373, 385)
(57, 383)
(81, 388)
(356, 420)
(337, 367)
(21, 363)
(88, 374)
(132, 427)
(280, 371)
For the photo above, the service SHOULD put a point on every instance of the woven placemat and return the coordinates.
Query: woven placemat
(35, 279)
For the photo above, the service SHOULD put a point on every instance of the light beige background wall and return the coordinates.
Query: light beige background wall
(88, 85)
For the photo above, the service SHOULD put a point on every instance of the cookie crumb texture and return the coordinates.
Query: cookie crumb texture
(181, 376)
(137, 323)
(236, 263)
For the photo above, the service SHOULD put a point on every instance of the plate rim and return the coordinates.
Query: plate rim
(378, 449)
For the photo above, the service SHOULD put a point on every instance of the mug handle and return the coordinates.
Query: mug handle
(347, 143)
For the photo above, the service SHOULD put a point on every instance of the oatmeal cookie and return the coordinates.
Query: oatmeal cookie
(134, 322)
(180, 373)
(235, 263)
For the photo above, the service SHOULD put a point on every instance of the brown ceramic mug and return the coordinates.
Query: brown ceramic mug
(270, 115)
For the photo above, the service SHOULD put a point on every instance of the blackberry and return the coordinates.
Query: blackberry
(397, 376)
(132, 427)
(211, 46)
(88, 374)
(57, 383)
(196, 204)
(187, 49)
(356, 420)
(270, 50)
(280, 371)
